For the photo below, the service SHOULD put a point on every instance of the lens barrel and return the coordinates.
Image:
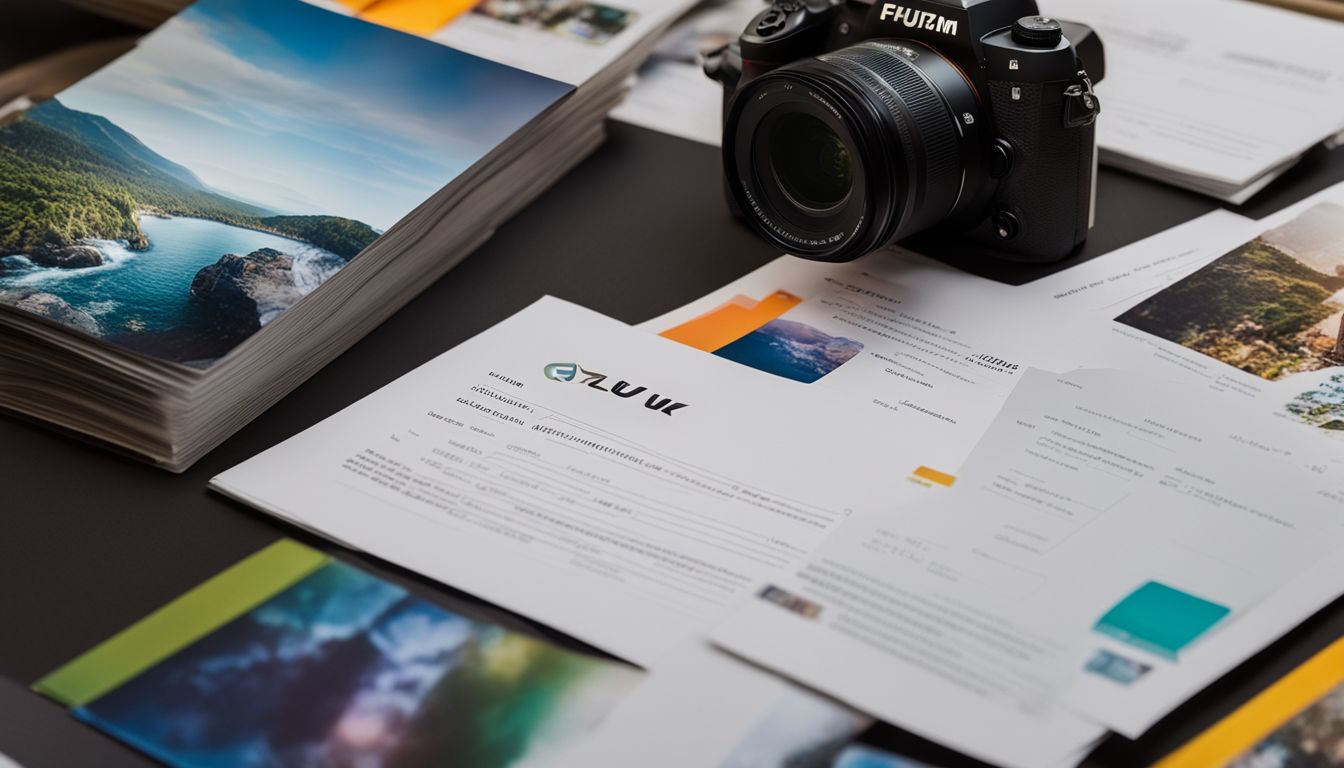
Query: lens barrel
(835, 156)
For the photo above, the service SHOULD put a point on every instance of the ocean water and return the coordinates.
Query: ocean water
(146, 291)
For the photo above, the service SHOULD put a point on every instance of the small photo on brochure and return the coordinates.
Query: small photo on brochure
(194, 190)
(792, 350)
(345, 669)
(1271, 307)
(593, 23)
(1321, 405)
(752, 332)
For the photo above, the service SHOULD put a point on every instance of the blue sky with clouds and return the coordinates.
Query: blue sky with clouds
(301, 110)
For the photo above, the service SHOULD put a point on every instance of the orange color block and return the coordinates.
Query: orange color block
(736, 318)
(418, 17)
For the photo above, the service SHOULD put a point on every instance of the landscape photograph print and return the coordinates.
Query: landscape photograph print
(345, 669)
(1271, 307)
(792, 350)
(189, 193)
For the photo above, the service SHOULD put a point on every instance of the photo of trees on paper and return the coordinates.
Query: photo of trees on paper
(1271, 307)
(192, 191)
(1314, 738)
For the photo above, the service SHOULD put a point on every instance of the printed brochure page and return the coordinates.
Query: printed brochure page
(1253, 318)
(1112, 546)
(614, 485)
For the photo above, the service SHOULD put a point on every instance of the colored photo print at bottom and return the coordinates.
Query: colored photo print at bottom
(792, 350)
(1315, 737)
(346, 669)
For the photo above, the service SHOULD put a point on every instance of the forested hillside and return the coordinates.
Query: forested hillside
(67, 175)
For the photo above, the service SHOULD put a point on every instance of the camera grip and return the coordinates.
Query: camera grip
(1049, 187)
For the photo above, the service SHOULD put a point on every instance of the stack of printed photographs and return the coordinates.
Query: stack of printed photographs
(197, 227)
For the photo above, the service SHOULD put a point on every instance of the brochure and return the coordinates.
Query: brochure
(196, 189)
(1299, 720)
(245, 194)
(291, 657)
(1186, 101)
(603, 481)
(1113, 545)
(1253, 318)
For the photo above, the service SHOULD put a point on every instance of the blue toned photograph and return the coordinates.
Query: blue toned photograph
(792, 350)
(344, 669)
(191, 192)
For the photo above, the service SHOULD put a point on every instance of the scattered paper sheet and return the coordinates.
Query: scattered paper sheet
(614, 485)
(1215, 96)
(1110, 548)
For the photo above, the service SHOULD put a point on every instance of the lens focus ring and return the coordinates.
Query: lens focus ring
(897, 82)
(890, 146)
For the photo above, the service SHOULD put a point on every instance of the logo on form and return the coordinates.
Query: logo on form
(622, 389)
(561, 371)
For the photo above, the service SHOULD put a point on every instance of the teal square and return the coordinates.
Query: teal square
(1160, 619)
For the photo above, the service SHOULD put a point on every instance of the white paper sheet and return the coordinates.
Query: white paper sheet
(571, 52)
(1098, 509)
(1251, 316)
(673, 95)
(1216, 90)
(697, 709)
(629, 510)
(935, 342)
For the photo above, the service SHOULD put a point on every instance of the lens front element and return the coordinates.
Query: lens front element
(811, 163)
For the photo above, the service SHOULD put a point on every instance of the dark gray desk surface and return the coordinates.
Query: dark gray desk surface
(90, 542)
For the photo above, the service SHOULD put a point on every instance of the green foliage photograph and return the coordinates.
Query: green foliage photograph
(1271, 307)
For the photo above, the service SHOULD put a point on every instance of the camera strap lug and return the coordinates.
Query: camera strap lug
(1081, 105)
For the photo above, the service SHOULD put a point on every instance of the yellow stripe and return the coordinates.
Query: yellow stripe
(357, 5)
(934, 476)
(191, 616)
(1262, 715)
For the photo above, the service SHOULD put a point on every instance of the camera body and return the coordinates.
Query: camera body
(851, 124)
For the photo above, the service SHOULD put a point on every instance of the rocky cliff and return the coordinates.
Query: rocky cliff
(56, 309)
(238, 292)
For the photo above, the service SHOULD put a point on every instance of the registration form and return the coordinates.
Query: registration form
(614, 485)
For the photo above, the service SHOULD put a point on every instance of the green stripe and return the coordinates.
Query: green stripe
(207, 607)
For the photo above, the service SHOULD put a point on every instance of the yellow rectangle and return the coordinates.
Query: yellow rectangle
(934, 476)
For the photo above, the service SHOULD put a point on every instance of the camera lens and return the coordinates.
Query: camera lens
(811, 162)
(838, 155)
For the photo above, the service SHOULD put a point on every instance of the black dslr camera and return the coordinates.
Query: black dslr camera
(851, 124)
